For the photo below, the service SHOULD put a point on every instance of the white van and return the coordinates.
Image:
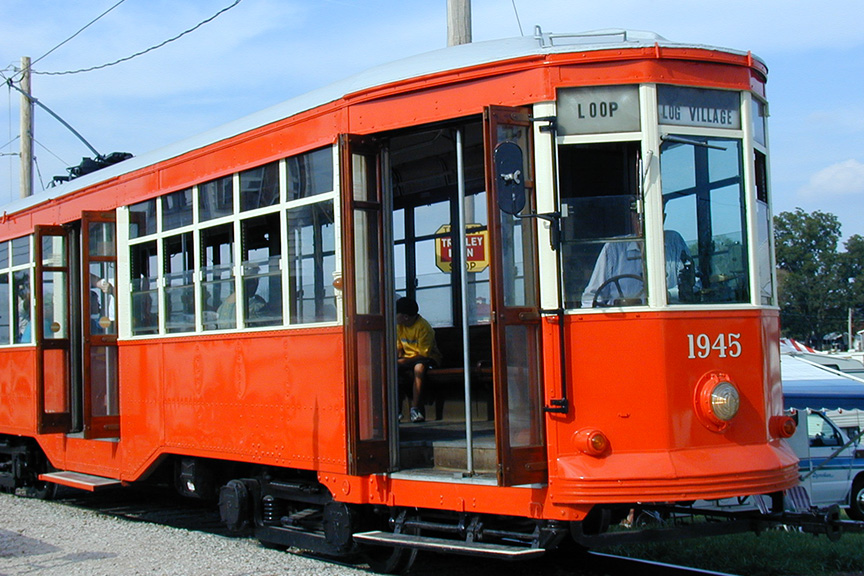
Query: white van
(831, 472)
(831, 467)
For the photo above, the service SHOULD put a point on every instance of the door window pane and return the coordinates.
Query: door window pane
(524, 397)
(53, 251)
(371, 384)
(515, 248)
(101, 236)
(364, 178)
(103, 305)
(55, 310)
(366, 258)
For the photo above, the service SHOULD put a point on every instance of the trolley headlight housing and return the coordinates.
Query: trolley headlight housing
(717, 401)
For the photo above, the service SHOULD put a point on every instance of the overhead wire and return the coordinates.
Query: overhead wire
(10, 142)
(141, 53)
(78, 32)
(50, 152)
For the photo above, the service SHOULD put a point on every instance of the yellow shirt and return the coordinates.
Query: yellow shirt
(417, 340)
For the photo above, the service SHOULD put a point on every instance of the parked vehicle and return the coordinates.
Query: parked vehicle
(831, 464)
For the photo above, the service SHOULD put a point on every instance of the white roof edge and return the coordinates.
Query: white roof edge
(451, 58)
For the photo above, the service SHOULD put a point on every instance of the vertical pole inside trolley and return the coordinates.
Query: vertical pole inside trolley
(463, 287)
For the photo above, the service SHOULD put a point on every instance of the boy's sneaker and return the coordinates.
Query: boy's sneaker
(416, 416)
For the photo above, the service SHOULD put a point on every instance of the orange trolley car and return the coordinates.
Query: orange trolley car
(584, 219)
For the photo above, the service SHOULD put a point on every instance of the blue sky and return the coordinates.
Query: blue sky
(265, 51)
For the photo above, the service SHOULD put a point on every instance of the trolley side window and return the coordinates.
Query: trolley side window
(259, 187)
(217, 282)
(312, 263)
(179, 289)
(144, 277)
(216, 199)
(5, 295)
(764, 249)
(212, 257)
(15, 298)
(262, 271)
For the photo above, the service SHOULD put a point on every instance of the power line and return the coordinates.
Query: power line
(10, 142)
(78, 32)
(127, 58)
(50, 152)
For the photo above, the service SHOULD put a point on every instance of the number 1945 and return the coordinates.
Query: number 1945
(725, 345)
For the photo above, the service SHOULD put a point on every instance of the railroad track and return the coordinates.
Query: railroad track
(164, 507)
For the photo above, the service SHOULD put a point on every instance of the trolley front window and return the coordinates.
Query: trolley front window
(704, 209)
(603, 244)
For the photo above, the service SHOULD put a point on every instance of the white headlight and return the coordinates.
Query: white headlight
(725, 401)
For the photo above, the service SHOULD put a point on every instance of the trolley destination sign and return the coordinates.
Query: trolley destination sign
(679, 106)
(476, 248)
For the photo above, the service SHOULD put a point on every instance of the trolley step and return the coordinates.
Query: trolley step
(78, 480)
(485, 549)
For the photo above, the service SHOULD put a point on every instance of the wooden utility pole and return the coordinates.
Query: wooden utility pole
(458, 22)
(26, 174)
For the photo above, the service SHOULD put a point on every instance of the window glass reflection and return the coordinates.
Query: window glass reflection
(707, 210)
(312, 263)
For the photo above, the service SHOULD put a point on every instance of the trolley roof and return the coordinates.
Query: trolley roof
(437, 61)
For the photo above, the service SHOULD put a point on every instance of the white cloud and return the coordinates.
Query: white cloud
(842, 179)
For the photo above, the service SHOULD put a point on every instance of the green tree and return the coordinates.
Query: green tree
(853, 270)
(813, 285)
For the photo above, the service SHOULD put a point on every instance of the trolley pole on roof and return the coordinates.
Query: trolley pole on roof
(26, 174)
(458, 22)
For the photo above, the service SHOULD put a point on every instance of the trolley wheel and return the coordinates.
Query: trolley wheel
(856, 500)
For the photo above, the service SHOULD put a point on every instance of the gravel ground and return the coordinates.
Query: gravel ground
(66, 538)
(51, 539)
